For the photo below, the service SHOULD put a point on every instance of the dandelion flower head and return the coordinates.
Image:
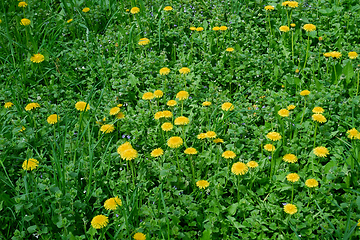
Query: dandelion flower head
(252, 164)
(273, 136)
(181, 120)
(159, 115)
(269, 8)
(202, 184)
(227, 106)
(120, 115)
(134, 10)
(164, 71)
(318, 110)
(22, 4)
(290, 209)
(8, 105)
(129, 154)
(143, 41)
(167, 114)
(107, 128)
(228, 154)
(318, 118)
(81, 106)
(269, 147)
(292, 177)
(239, 168)
(321, 151)
(114, 110)
(171, 103)
(175, 142)
(123, 147)
(283, 112)
(190, 151)
(85, 10)
(206, 104)
(148, 96)
(292, 25)
(158, 93)
(25, 22)
(139, 236)
(291, 107)
(353, 133)
(31, 106)
(199, 29)
(99, 221)
(352, 55)
(30, 164)
(290, 158)
(184, 70)
(157, 152)
(210, 134)
(182, 95)
(218, 140)
(168, 8)
(166, 126)
(37, 58)
(230, 49)
(70, 20)
(304, 92)
(53, 118)
(112, 203)
(309, 27)
(284, 29)
(201, 136)
(223, 28)
(216, 28)
(311, 183)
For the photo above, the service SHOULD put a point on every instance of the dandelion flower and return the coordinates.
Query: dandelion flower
(157, 152)
(292, 25)
(223, 28)
(175, 142)
(70, 20)
(206, 104)
(305, 93)
(311, 183)
(181, 120)
(218, 140)
(190, 151)
(25, 22)
(227, 106)
(85, 10)
(99, 221)
(199, 29)
(284, 29)
(318, 110)
(22, 129)
(139, 236)
(228, 154)
(216, 28)
(269, 147)
(352, 133)
(112, 203)
(143, 41)
(168, 8)
(192, 28)
(202, 184)
(30, 164)
(290, 158)
(164, 71)
(148, 96)
(239, 168)
(22, 4)
(273, 136)
(291, 107)
(230, 49)
(352, 55)
(201, 136)
(167, 114)
(252, 164)
(292, 177)
(318, 118)
(134, 10)
(269, 8)
(120, 115)
(31, 106)
(327, 54)
(8, 104)
(37, 58)
(290, 209)
(283, 112)
(182, 95)
(129, 154)
(171, 103)
(114, 110)
(81, 106)
(158, 115)
(321, 151)
(166, 126)
(335, 54)
(52, 119)
(158, 93)
(123, 147)
(107, 128)
(184, 70)
(293, 4)
(210, 134)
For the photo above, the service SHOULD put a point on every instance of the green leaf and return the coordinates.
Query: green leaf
(32, 229)
(348, 71)
(28, 218)
(206, 235)
(232, 209)
(133, 80)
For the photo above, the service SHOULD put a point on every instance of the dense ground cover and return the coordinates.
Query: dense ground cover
(179, 119)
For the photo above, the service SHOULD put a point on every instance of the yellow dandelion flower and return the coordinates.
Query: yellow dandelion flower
(290, 209)
(85, 10)
(290, 158)
(218, 140)
(120, 115)
(318, 110)
(143, 41)
(352, 133)
(70, 20)
(202, 184)
(81, 106)
(8, 105)
(284, 29)
(321, 151)
(252, 164)
(199, 29)
(284, 112)
(30, 164)
(168, 8)
(107, 128)
(129, 154)
(228, 154)
(123, 147)
(22, 4)
(166, 126)
(22, 129)
(291, 107)
(201, 136)
(269, 8)
(230, 49)
(184, 70)
(293, 177)
(158, 93)
(99, 221)
(37, 58)
(31, 106)
(227, 106)
(171, 103)
(292, 25)
(206, 104)
(304, 92)
(148, 96)
(239, 168)
(25, 22)
(112, 203)
(216, 28)
(114, 110)
(223, 28)
(52, 119)
(311, 183)
(352, 55)
(190, 151)
(158, 115)
(181, 120)
(175, 142)
(157, 152)
(134, 10)
(293, 4)
(269, 147)
(210, 134)
(192, 28)
(139, 236)
(167, 114)
(318, 118)
(273, 136)
(164, 71)
(182, 95)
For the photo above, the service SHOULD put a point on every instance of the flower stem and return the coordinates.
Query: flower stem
(292, 193)
(315, 134)
(307, 52)
(302, 118)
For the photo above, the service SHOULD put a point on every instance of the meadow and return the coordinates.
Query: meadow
(149, 119)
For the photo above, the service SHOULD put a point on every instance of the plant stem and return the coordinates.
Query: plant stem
(302, 118)
(307, 52)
